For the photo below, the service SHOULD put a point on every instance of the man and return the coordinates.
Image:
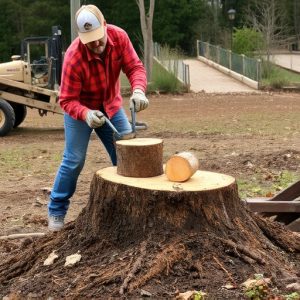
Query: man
(90, 89)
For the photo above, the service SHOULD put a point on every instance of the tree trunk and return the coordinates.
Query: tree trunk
(147, 32)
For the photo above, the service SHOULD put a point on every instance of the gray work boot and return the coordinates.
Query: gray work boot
(56, 223)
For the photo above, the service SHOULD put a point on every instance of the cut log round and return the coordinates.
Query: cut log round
(141, 157)
(181, 166)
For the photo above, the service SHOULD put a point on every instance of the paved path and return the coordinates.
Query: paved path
(289, 61)
(207, 79)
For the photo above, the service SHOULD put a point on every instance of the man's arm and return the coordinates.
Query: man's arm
(70, 90)
(132, 66)
(136, 73)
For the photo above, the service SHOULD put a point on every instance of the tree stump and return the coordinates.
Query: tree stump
(128, 207)
(159, 236)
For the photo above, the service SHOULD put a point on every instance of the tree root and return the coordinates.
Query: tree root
(135, 268)
(279, 234)
(163, 261)
(22, 235)
(245, 250)
(227, 273)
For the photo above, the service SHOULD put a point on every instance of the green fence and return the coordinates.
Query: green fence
(241, 64)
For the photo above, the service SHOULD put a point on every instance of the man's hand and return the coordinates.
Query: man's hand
(138, 100)
(95, 118)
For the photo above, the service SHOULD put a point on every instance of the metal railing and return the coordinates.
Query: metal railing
(241, 64)
(173, 65)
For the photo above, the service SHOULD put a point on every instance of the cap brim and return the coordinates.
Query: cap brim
(91, 36)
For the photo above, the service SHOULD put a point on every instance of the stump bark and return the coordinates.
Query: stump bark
(129, 207)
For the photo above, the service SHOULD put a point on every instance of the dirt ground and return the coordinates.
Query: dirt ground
(253, 137)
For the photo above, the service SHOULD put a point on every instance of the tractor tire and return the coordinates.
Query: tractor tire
(7, 117)
(20, 113)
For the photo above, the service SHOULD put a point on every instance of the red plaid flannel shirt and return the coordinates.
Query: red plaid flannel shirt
(90, 83)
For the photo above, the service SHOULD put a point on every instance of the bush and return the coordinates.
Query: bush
(247, 41)
(273, 76)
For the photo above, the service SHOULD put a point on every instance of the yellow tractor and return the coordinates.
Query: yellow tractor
(31, 79)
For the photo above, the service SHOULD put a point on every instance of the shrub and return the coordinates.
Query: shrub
(247, 41)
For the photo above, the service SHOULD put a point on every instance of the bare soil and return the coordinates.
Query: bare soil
(255, 138)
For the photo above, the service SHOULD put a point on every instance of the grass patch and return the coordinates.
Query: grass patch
(164, 73)
(19, 161)
(164, 81)
(277, 77)
(259, 186)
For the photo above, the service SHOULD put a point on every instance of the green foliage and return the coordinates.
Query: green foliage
(163, 81)
(199, 295)
(257, 288)
(292, 296)
(181, 22)
(276, 77)
(176, 23)
(24, 18)
(247, 41)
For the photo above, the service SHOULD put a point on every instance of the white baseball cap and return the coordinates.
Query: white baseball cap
(90, 23)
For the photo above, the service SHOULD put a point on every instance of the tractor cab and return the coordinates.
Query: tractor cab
(40, 61)
(31, 79)
(43, 59)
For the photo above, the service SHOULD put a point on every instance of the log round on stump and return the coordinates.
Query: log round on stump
(141, 157)
(181, 166)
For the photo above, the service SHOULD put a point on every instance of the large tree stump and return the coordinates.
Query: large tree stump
(159, 236)
(128, 207)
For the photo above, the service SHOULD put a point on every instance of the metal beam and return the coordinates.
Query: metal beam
(263, 205)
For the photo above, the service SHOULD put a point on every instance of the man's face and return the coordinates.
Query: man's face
(98, 46)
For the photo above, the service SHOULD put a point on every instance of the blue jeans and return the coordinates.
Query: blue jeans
(77, 136)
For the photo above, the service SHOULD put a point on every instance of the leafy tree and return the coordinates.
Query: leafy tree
(11, 28)
(177, 23)
(24, 18)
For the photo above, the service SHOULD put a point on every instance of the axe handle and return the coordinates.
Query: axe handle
(110, 124)
(132, 111)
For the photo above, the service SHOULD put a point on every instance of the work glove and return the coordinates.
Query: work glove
(138, 100)
(95, 118)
